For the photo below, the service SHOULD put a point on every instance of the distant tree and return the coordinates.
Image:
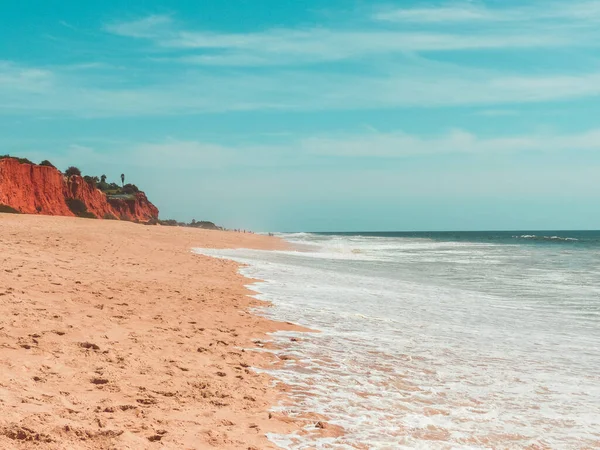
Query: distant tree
(123, 179)
(72, 171)
(205, 225)
(103, 179)
(168, 223)
(47, 163)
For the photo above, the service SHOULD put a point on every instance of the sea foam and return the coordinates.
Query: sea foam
(433, 344)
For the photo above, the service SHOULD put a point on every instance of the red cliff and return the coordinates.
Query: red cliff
(33, 189)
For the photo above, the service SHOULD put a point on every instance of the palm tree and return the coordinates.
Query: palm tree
(123, 179)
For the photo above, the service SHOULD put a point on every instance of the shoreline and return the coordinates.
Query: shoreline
(117, 334)
(307, 427)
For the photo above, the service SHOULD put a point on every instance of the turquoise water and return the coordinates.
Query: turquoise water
(439, 340)
(577, 238)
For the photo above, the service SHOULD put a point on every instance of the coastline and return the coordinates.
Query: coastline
(115, 334)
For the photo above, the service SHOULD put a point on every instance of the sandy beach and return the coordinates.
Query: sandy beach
(115, 335)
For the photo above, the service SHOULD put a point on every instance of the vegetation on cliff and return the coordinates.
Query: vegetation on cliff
(31, 188)
(99, 183)
(80, 209)
(79, 196)
(21, 160)
(8, 210)
(193, 224)
(72, 171)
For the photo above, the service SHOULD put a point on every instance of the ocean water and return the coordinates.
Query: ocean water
(438, 340)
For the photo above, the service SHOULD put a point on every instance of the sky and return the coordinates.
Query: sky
(314, 115)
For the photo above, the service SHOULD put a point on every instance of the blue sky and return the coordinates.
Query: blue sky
(317, 115)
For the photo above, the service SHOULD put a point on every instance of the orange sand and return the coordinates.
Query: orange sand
(114, 335)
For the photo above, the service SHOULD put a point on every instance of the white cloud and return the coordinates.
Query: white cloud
(497, 112)
(473, 12)
(538, 26)
(181, 154)
(26, 90)
(26, 79)
(399, 144)
(458, 13)
(146, 27)
(385, 71)
(290, 47)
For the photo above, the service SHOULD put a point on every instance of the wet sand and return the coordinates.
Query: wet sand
(115, 335)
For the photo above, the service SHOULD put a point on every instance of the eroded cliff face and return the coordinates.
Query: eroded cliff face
(139, 208)
(33, 189)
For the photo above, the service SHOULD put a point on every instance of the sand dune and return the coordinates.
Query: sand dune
(114, 335)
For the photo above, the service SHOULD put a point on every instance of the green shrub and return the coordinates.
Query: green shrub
(87, 215)
(79, 208)
(92, 181)
(8, 209)
(130, 189)
(72, 171)
(47, 163)
(168, 223)
(76, 206)
(103, 186)
(110, 188)
(202, 224)
(21, 160)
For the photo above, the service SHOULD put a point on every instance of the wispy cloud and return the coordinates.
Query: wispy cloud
(497, 112)
(292, 47)
(16, 78)
(367, 66)
(179, 154)
(461, 12)
(24, 90)
(540, 26)
(466, 12)
(400, 144)
(146, 27)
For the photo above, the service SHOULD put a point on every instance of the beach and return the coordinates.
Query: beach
(123, 336)
(116, 335)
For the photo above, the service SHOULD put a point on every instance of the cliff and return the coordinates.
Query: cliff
(34, 189)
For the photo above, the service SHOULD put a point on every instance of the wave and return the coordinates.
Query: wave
(546, 238)
(382, 363)
(294, 235)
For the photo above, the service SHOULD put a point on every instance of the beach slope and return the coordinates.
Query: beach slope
(115, 335)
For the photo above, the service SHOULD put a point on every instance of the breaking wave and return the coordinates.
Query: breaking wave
(546, 238)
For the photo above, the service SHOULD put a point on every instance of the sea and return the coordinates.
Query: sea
(446, 340)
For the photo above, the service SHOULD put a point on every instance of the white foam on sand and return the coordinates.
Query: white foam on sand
(409, 358)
